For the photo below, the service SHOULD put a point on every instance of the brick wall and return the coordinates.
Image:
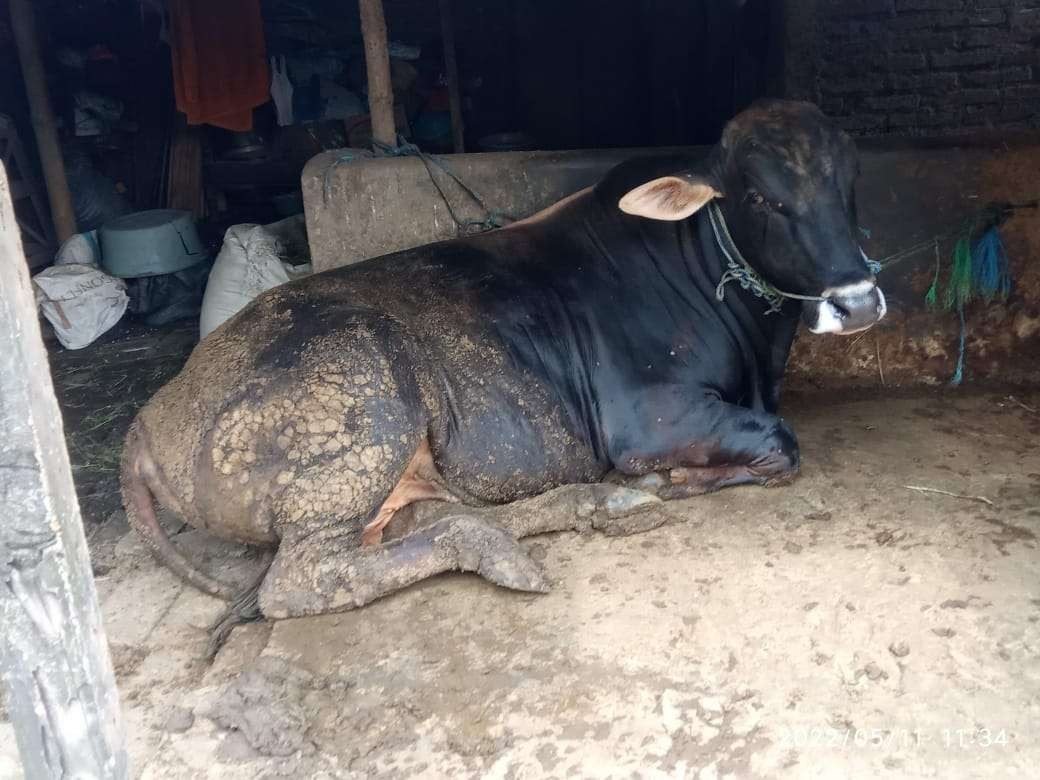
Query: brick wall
(923, 67)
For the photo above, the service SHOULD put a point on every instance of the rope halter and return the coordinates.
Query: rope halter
(740, 271)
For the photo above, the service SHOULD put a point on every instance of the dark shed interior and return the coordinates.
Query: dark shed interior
(170, 161)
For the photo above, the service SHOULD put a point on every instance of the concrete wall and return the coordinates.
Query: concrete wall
(362, 209)
(920, 67)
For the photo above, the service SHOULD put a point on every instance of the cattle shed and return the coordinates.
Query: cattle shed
(176, 168)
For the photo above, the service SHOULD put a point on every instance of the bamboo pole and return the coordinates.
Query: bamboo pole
(377, 64)
(54, 662)
(451, 70)
(23, 23)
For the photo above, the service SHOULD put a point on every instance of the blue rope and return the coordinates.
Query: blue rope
(958, 375)
(347, 156)
(872, 265)
(990, 268)
(991, 278)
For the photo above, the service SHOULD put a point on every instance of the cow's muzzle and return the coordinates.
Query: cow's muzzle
(847, 309)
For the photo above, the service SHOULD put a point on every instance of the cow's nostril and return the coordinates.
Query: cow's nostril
(842, 311)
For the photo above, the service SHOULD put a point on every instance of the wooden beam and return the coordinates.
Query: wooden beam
(23, 23)
(54, 662)
(377, 63)
(451, 70)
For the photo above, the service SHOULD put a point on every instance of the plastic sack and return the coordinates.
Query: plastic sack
(96, 114)
(281, 92)
(339, 102)
(403, 51)
(94, 196)
(80, 249)
(169, 297)
(80, 301)
(254, 258)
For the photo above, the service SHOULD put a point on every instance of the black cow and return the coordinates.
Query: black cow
(637, 330)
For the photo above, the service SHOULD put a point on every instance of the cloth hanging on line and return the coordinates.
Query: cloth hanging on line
(219, 61)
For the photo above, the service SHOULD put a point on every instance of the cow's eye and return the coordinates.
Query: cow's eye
(756, 198)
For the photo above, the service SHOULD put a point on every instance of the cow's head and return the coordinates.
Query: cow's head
(783, 175)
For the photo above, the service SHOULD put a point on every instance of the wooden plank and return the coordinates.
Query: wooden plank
(54, 661)
(377, 64)
(24, 185)
(184, 187)
(451, 70)
(23, 24)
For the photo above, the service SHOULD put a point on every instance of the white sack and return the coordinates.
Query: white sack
(250, 262)
(80, 301)
(81, 248)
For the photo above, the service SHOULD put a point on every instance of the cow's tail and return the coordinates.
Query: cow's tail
(136, 481)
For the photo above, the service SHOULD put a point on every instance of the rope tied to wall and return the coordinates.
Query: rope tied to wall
(492, 219)
(979, 268)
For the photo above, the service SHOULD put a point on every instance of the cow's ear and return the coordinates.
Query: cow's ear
(671, 197)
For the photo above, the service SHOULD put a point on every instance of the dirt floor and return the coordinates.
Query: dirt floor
(845, 625)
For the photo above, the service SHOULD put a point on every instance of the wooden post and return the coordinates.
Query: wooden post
(377, 63)
(23, 23)
(451, 70)
(61, 693)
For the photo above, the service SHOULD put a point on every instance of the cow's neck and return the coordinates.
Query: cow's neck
(765, 335)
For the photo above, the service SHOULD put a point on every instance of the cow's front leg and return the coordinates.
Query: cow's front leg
(714, 445)
(614, 510)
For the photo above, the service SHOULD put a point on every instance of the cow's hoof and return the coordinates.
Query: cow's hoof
(496, 556)
(652, 483)
(623, 501)
(780, 479)
(514, 570)
(624, 511)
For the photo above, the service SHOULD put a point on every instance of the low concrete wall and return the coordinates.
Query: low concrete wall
(907, 193)
(366, 208)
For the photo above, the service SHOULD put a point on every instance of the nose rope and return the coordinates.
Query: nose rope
(740, 271)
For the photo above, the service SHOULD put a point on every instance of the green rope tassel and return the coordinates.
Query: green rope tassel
(960, 288)
(978, 269)
(931, 298)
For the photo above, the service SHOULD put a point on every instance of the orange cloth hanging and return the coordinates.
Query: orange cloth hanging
(219, 61)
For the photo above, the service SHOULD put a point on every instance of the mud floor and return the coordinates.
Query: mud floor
(841, 626)
(100, 389)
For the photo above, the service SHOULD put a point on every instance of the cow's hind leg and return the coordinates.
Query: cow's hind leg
(326, 571)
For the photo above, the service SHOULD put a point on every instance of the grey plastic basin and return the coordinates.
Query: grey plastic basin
(150, 243)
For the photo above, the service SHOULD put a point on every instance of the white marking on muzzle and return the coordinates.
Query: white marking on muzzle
(849, 290)
(828, 320)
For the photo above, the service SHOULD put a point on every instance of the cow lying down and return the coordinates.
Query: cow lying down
(624, 346)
